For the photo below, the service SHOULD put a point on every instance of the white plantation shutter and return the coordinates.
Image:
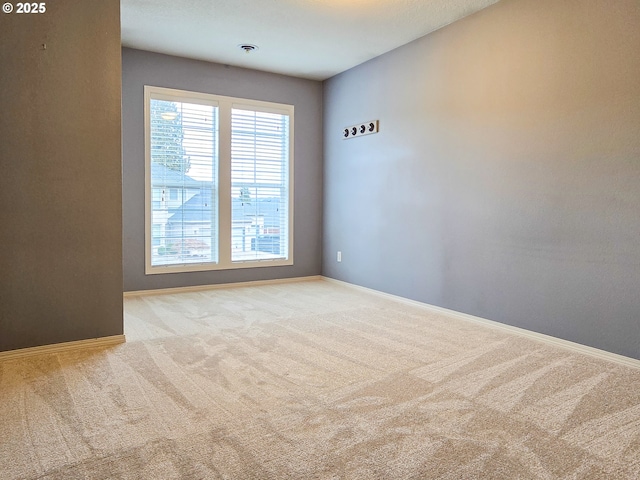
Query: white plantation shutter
(259, 185)
(184, 165)
(218, 182)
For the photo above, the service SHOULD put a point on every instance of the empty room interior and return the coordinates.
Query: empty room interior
(377, 239)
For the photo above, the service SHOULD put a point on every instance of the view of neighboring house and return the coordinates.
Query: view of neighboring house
(170, 190)
(182, 213)
(256, 229)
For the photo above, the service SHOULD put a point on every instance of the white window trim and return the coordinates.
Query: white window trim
(225, 105)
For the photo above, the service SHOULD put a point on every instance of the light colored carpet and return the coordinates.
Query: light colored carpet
(315, 380)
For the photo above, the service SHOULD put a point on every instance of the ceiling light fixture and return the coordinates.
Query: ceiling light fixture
(248, 47)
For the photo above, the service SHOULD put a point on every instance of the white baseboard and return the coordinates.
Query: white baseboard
(541, 337)
(63, 347)
(199, 288)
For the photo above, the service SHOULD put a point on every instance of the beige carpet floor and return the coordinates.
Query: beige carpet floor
(315, 380)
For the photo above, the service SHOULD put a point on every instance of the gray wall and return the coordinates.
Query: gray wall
(505, 180)
(60, 186)
(144, 68)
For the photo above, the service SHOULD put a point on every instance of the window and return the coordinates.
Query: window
(218, 182)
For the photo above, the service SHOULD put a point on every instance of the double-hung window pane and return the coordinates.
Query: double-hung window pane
(183, 167)
(259, 185)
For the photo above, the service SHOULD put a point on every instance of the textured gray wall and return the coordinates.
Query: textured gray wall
(145, 68)
(505, 180)
(60, 186)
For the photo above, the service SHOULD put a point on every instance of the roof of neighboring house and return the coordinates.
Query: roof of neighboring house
(161, 176)
(198, 209)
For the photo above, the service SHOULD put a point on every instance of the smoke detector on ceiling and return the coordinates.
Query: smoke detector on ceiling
(248, 47)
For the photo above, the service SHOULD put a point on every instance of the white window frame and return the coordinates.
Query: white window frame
(224, 240)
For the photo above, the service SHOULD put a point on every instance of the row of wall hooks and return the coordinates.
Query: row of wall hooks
(365, 128)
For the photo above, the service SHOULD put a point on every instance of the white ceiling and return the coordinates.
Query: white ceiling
(304, 38)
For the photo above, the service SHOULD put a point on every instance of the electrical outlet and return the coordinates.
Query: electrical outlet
(364, 128)
(339, 257)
